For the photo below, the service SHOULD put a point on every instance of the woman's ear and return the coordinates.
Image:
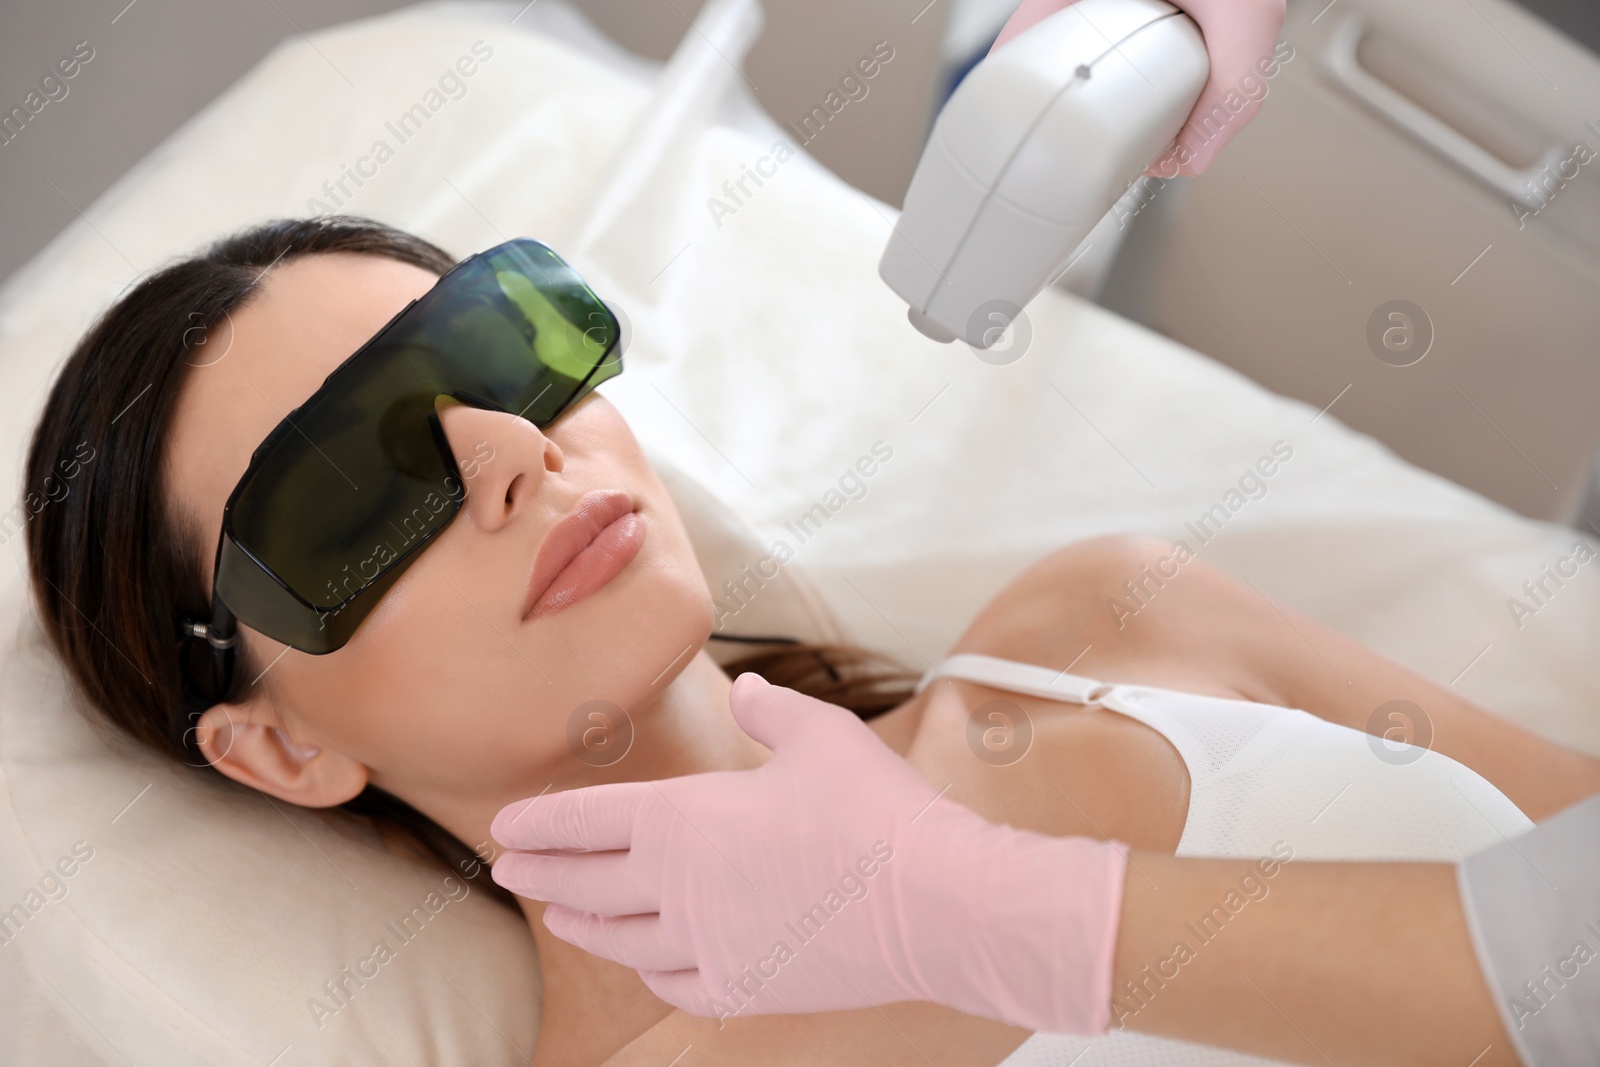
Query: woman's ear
(245, 742)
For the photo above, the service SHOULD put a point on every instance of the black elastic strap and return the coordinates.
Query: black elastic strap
(749, 640)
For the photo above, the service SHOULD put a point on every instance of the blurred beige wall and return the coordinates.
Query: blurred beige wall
(154, 65)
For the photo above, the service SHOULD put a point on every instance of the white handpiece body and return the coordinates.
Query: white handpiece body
(1032, 149)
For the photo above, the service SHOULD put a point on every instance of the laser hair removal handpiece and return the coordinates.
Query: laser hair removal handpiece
(1034, 147)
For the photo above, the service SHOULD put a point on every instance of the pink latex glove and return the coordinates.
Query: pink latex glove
(832, 877)
(1239, 36)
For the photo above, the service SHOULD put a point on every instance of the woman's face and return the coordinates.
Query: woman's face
(445, 688)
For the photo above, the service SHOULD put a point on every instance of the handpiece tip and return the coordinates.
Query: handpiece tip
(928, 328)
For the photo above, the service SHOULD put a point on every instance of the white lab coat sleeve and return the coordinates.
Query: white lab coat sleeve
(1533, 907)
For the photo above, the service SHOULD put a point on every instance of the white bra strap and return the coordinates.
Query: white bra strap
(1018, 677)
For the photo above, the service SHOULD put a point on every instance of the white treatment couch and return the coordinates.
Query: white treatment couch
(200, 922)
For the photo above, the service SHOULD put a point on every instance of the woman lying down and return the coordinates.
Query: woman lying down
(386, 582)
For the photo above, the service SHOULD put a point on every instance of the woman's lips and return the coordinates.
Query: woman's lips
(583, 552)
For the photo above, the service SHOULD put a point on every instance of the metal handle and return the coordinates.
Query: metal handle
(1343, 65)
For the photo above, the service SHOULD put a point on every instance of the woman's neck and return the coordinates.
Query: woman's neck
(686, 728)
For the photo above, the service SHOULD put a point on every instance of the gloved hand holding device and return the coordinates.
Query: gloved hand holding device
(1239, 35)
(1041, 139)
(864, 886)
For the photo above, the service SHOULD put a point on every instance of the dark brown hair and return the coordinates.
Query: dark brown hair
(114, 570)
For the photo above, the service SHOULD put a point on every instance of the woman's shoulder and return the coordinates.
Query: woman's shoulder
(1042, 764)
(1126, 608)
(1073, 600)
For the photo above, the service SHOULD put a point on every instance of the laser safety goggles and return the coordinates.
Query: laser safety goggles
(345, 493)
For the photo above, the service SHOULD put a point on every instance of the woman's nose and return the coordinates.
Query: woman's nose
(503, 460)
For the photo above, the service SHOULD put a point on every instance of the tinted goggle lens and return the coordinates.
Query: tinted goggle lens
(350, 487)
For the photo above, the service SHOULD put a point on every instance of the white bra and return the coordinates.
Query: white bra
(1263, 776)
